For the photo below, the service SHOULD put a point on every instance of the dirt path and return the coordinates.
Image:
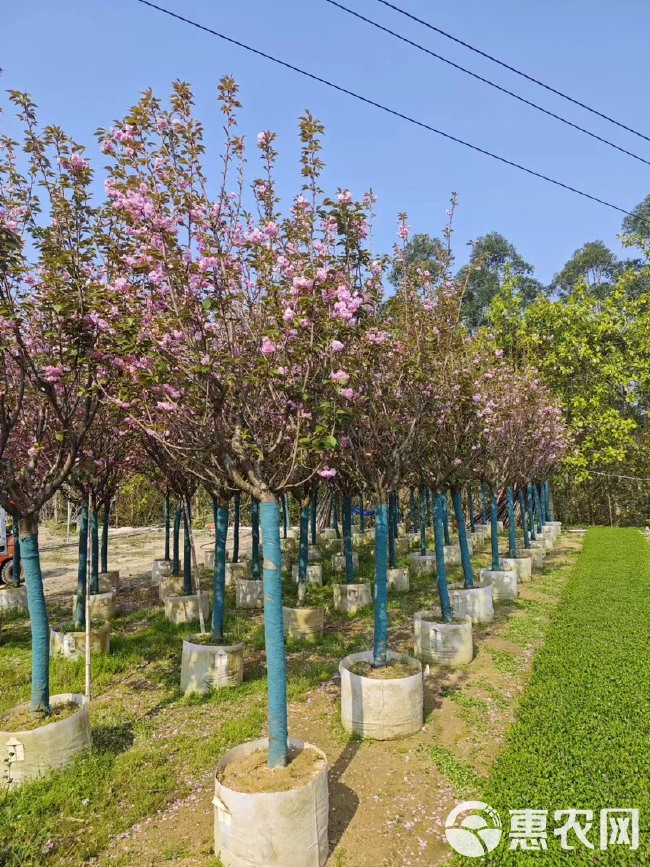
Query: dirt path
(131, 550)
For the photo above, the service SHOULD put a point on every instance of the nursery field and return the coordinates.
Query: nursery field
(369, 630)
(144, 795)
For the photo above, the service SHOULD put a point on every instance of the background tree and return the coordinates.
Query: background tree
(595, 264)
(593, 354)
(593, 358)
(637, 224)
(493, 257)
(420, 253)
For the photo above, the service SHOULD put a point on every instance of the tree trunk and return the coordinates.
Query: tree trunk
(176, 553)
(314, 508)
(105, 525)
(94, 550)
(465, 556)
(383, 536)
(538, 508)
(392, 554)
(524, 521)
(428, 503)
(441, 569)
(235, 532)
(362, 517)
(303, 552)
(82, 567)
(494, 531)
(15, 577)
(335, 514)
(531, 511)
(255, 538)
(512, 524)
(470, 509)
(220, 510)
(37, 615)
(415, 523)
(347, 539)
(187, 551)
(445, 521)
(276, 663)
(423, 523)
(166, 521)
(483, 503)
(547, 491)
(285, 516)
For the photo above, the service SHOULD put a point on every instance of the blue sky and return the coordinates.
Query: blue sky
(84, 62)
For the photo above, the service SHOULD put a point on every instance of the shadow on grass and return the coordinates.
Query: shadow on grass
(113, 739)
(16, 635)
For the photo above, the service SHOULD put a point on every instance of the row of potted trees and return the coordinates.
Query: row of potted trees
(252, 352)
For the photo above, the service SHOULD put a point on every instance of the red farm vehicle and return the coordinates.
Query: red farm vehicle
(6, 552)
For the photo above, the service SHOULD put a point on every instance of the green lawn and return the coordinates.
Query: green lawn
(582, 738)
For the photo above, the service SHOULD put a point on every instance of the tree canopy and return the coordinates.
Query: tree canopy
(594, 263)
(594, 356)
(638, 221)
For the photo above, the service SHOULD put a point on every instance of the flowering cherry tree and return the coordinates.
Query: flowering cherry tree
(56, 336)
(522, 433)
(243, 314)
(382, 377)
(160, 457)
(447, 431)
(346, 482)
(105, 458)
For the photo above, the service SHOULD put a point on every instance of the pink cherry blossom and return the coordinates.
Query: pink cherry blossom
(77, 163)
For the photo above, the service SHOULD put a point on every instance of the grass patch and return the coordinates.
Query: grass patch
(529, 628)
(508, 663)
(463, 778)
(582, 738)
(463, 699)
(496, 696)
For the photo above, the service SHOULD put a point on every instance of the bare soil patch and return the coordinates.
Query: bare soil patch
(23, 720)
(251, 774)
(394, 669)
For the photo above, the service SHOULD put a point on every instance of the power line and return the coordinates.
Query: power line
(487, 81)
(387, 109)
(514, 69)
